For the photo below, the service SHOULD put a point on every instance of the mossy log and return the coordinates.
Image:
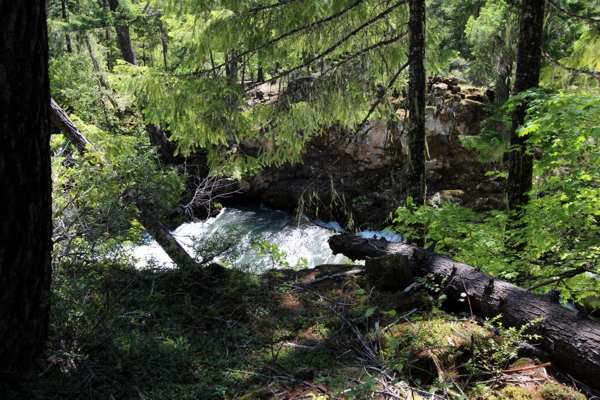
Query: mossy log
(571, 339)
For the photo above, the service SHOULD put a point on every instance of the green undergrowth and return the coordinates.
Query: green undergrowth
(121, 333)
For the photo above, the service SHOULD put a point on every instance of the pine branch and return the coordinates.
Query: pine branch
(594, 74)
(276, 5)
(311, 25)
(278, 39)
(590, 19)
(370, 48)
(293, 32)
(342, 151)
(303, 28)
(341, 41)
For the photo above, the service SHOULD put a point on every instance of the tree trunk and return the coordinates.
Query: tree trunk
(25, 194)
(100, 71)
(572, 341)
(103, 80)
(260, 75)
(165, 44)
(123, 38)
(529, 58)
(147, 219)
(166, 148)
(163, 237)
(416, 104)
(65, 18)
(505, 67)
(231, 65)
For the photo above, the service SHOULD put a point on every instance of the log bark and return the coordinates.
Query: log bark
(571, 339)
(147, 218)
(62, 121)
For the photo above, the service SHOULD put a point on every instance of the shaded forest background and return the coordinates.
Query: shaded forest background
(156, 103)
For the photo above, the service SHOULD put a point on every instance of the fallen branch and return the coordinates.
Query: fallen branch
(527, 368)
(333, 276)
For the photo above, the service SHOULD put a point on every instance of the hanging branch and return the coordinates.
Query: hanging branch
(311, 25)
(276, 5)
(592, 73)
(375, 46)
(341, 41)
(590, 19)
(358, 129)
(303, 28)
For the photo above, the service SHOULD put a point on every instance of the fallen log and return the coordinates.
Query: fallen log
(571, 339)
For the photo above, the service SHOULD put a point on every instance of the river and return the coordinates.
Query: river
(240, 226)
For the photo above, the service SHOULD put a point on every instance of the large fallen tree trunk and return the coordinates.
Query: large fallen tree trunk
(155, 228)
(571, 339)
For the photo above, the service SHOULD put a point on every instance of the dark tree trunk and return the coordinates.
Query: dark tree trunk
(260, 75)
(416, 104)
(25, 186)
(529, 58)
(125, 45)
(67, 36)
(571, 340)
(166, 148)
(165, 44)
(231, 65)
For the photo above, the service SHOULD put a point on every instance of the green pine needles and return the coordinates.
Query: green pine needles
(325, 64)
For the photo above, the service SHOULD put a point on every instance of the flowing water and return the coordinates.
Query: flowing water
(304, 244)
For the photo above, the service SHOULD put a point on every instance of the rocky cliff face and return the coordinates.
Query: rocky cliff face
(358, 179)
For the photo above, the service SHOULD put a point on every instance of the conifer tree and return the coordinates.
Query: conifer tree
(25, 215)
(123, 37)
(326, 63)
(528, 70)
(529, 58)
(416, 104)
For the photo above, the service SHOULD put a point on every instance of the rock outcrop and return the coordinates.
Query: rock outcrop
(358, 178)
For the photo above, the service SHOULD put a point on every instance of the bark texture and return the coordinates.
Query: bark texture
(125, 45)
(25, 186)
(529, 59)
(62, 121)
(571, 339)
(416, 103)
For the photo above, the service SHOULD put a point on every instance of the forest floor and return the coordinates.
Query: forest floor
(125, 333)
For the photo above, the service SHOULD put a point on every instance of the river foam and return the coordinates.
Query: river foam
(238, 228)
